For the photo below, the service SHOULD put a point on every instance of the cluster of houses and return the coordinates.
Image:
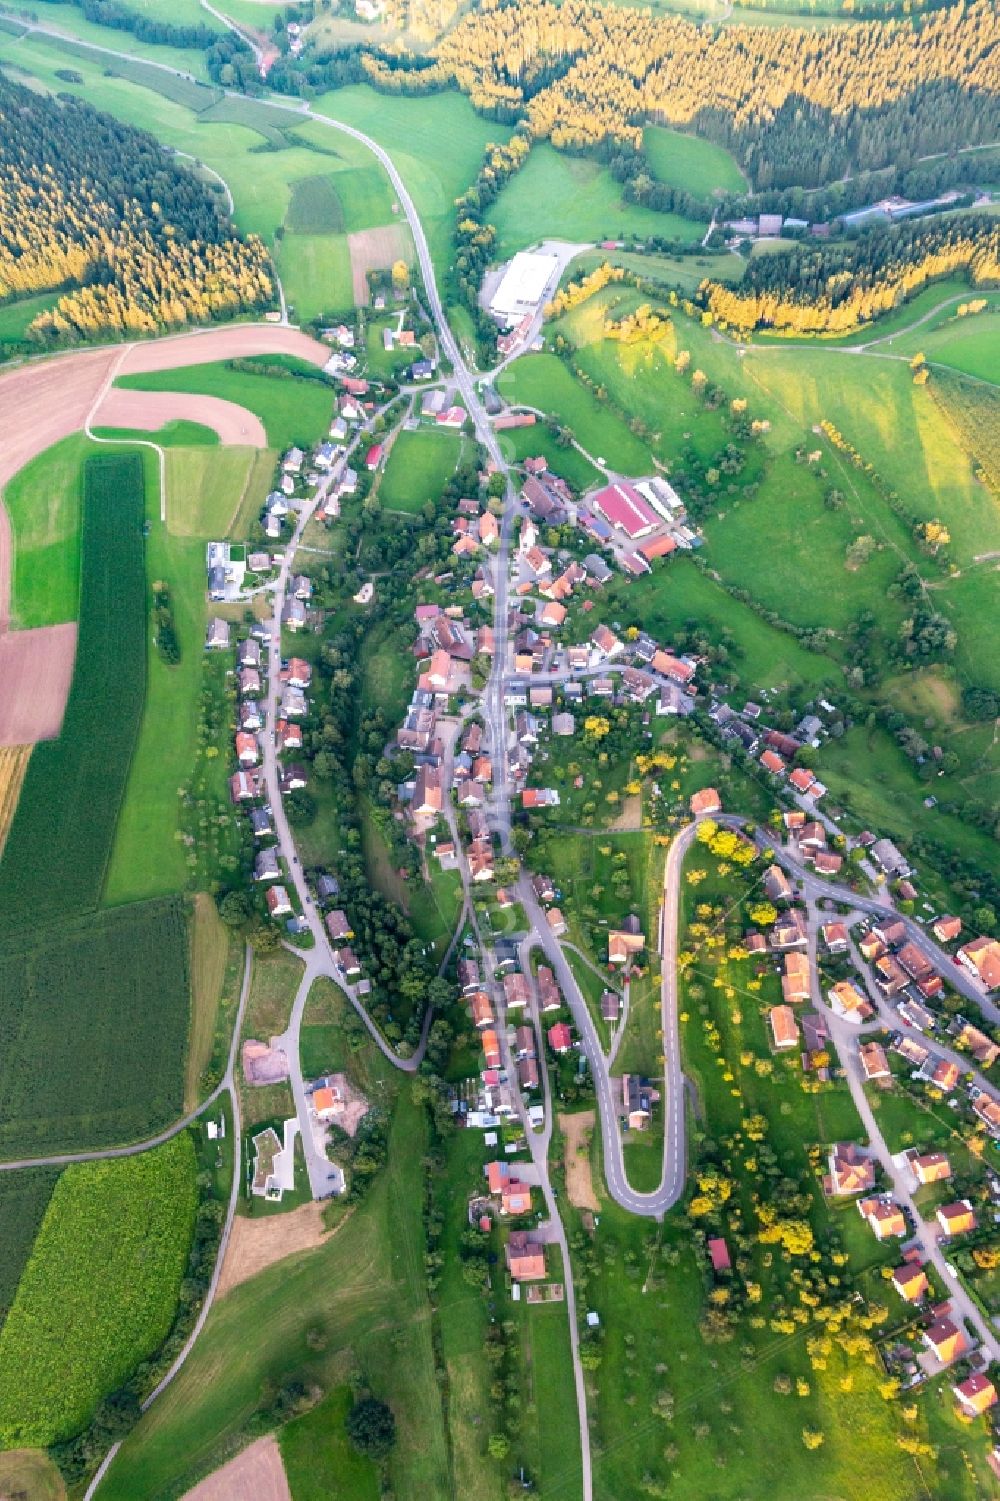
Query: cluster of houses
(474, 529)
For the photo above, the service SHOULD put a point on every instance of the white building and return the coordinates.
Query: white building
(523, 285)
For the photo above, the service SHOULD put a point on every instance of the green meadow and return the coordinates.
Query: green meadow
(292, 411)
(543, 381)
(573, 198)
(419, 466)
(694, 165)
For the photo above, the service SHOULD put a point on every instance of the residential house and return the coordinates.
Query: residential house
(784, 1027)
(835, 937)
(556, 922)
(945, 1340)
(611, 1005)
(637, 1102)
(911, 1282)
(481, 1009)
(543, 888)
(218, 634)
(347, 961)
(525, 1257)
(801, 778)
(560, 1038)
(248, 682)
(956, 1219)
(623, 945)
(795, 982)
(301, 587)
(563, 724)
(298, 673)
(527, 1073)
(812, 837)
(981, 958)
(975, 1395)
(266, 867)
(278, 904)
(852, 1171)
(827, 862)
(247, 749)
(890, 932)
(944, 1074)
(718, 1253)
(491, 1048)
(338, 925)
(705, 801)
(516, 1197)
(883, 1216)
(428, 797)
(327, 1102)
(946, 929)
(773, 763)
(888, 858)
(847, 1002)
(909, 1048)
(932, 1167)
(983, 1049)
(988, 1111)
(516, 990)
(548, 991)
(776, 885)
(789, 931)
(260, 823)
(468, 975)
(874, 1062)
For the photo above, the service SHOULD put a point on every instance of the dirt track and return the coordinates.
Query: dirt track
(147, 411)
(256, 1244)
(257, 1474)
(35, 669)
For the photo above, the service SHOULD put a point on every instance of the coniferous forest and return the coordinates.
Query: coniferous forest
(98, 208)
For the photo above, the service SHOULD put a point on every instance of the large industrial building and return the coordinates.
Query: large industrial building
(522, 286)
(622, 506)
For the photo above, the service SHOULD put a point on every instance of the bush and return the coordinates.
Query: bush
(371, 1427)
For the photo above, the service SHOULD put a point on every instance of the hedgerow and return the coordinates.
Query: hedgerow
(99, 1292)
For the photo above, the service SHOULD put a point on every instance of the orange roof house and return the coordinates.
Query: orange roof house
(946, 929)
(956, 1219)
(705, 801)
(327, 1102)
(784, 1027)
(516, 1198)
(884, 1217)
(525, 1257)
(482, 1009)
(910, 1281)
(982, 956)
(873, 1061)
(932, 1168)
(975, 1395)
(848, 1002)
(795, 980)
(498, 1176)
(852, 1171)
(491, 1049)
(946, 1340)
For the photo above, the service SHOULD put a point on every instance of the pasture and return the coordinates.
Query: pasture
(358, 1301)
(87, 765)
(104, 1001)
(320, 1460)
(543, 381)
(683, 271)
(419, 466)
(315, 207)
(315, 271)
(99, 1293)
(519, 443)
(694, 165)
(43, 503)
(573, 198)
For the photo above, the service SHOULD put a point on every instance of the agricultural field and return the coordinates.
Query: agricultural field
(315, 207)
(99, 1292)
(13, 765)
(87, 766)
(214, 952)
(694, 165)
(573, 198)
(315, 271)
(316, 1316)
(24, 1198)
(419, 466)
(292, 411)
(79, 996)
(43, 503)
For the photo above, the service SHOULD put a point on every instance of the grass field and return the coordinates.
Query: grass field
(15, 316)
(180, 434)
(24, 1198)
(419, 466)
(99, 1292)
(683, 271)
(80, 996)
(543, 381)
(43, 503)
(315, 271)
(694, 165)
(30, 1474)
(355, 1304)
(574, 198)
(87, 766)
(292, 411)
(320, 1460)
(205, 486)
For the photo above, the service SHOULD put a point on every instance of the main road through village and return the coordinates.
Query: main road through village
(320, 960)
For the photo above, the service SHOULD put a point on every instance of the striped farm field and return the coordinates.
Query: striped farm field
(13, 765)
(86, 766)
